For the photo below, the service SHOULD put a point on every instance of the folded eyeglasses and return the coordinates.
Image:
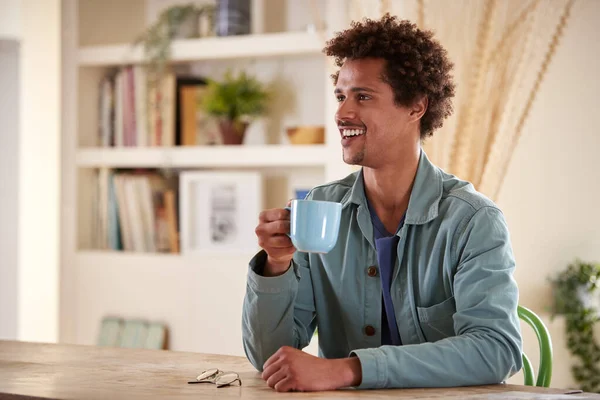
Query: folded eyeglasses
(218, 377)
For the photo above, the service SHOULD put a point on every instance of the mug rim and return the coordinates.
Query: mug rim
(316, 201)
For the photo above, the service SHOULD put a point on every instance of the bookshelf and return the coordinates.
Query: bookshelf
(213, 48)
(175, 288)
(204, 156)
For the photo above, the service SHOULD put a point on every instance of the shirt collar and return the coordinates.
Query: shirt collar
(425, 196)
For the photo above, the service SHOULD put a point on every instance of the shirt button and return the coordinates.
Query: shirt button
(372, 271)
(369, 330)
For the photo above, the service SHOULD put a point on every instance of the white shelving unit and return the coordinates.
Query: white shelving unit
(214, 48)
(204, 157)
(199, 298)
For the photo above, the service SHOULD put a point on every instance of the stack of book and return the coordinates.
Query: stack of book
(136, 211)
(136, 112)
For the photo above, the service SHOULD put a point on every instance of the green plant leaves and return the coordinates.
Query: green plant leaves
(235, 97)
(572, 289)
(157, 38)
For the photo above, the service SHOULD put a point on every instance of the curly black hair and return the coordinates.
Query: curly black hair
(416, 64)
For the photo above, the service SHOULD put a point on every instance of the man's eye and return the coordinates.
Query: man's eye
(340, 98)
(363, 97)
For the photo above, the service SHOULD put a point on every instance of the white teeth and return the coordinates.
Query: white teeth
(352, 132)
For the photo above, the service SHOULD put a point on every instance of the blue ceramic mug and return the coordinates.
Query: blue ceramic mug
(314, 225)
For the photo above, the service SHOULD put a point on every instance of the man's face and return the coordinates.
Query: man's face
(372, 126)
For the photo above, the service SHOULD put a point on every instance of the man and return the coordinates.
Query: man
(419, 289)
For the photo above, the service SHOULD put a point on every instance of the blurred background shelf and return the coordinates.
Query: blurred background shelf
(214, 48)
(147, 262)
(207, 156)
(283, 51)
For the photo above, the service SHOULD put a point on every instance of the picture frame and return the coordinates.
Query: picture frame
(219, 211)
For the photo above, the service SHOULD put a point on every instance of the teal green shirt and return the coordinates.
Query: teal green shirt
(453, 291)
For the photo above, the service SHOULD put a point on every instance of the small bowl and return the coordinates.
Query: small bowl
(306, 134)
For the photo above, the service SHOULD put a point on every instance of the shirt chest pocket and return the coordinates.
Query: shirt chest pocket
(436, 321)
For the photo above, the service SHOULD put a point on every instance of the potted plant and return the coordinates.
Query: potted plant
(176, 22)
(577, 296)
(234, 102)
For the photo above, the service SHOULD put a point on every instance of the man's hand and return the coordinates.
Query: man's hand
(272, 230)
(291, 369)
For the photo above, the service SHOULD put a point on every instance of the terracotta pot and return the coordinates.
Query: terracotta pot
(233, 132)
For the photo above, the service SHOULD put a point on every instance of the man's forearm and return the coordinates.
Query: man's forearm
(268, 307)
(465, 360)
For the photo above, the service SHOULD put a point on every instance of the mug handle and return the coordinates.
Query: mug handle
(290, 210)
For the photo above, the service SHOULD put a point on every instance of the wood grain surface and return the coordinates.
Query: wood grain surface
(57, 371)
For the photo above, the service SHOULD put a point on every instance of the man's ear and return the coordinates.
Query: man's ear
(417, 110)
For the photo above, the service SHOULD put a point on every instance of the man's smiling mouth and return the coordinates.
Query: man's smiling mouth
(350, 132)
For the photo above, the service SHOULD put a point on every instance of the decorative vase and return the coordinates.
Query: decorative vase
(233, 17)
(188, 28)
(232, 132)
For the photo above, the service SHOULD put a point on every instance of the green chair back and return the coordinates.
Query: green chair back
(156, 337)
(545, 370)
(110, 332)
(132, 333)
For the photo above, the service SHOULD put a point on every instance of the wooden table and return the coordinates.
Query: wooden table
(34, 370)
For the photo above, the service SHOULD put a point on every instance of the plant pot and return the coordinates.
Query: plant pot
(232, 132)
(189, 27)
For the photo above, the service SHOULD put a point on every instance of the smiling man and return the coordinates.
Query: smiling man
(419, 289)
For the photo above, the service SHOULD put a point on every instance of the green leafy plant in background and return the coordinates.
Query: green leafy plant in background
(236, 97)
(179, 21)
(576, 292)
(234, 101)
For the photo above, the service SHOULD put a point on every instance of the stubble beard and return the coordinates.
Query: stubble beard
(356, 159)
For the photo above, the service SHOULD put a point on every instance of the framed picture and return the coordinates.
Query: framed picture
(219, 211)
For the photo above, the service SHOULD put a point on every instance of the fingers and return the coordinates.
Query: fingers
(272, 233)
(274, 214)
(265, 229)
(279, 242)
(283, 254)
(272, 236)
(276, 378)
(274, 242)
(270, 370)
(270, 361)
(278, 371)
(285, 385)
(280, 227)
(276, 375)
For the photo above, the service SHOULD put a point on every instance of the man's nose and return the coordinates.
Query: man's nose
(345, 111)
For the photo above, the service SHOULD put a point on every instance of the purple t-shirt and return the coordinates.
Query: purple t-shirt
(386, 245)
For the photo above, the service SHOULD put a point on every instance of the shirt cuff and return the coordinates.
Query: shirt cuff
(373, 365)
(275, 284)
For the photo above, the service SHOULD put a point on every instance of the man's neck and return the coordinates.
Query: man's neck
(388, 188)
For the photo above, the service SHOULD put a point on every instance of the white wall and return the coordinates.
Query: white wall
(39, 162)
(551, 192)
(10, 19)
(9, 126)
(9, 163)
